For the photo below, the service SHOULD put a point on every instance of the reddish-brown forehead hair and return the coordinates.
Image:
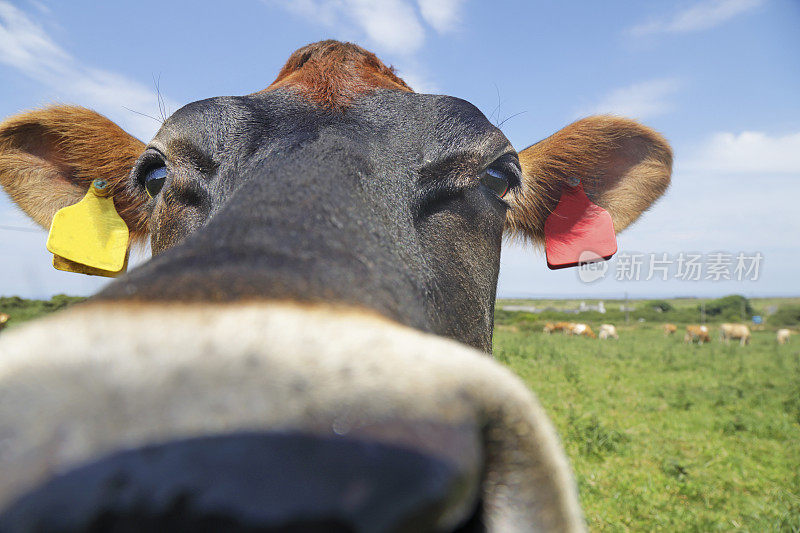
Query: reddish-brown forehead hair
(331, 73)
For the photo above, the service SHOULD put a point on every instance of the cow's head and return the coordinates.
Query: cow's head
(316, 219)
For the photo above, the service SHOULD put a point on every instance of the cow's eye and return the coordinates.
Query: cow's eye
(502, 175)
(154, 180)
(496, 181)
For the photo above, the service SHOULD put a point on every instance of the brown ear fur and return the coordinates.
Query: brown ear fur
(623, 165)
(49, 157)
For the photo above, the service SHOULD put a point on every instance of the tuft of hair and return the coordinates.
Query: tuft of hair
(331, 73)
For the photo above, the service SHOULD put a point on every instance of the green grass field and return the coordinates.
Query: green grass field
(667, 436)
(661, 435)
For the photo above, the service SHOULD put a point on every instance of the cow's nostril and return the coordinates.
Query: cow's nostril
(250, 482)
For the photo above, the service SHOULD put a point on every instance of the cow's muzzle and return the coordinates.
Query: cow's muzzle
(267, 415)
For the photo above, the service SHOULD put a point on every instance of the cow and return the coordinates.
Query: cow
(3, 320)
(696, 333)
(563, 327)
(783, 336)
(735, 331)
(568, 328)
(608, 331)
(669, 329)
(580, 330)
(308, 347)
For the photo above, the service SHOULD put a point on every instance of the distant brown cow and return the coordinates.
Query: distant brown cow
(696, 333)
(669, 329)
(735, 331)
(581, 329)
(569, 328)
(564, 327)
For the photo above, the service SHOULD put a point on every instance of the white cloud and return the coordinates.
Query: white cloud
(25, 46)
(642, 100)
(751, 152)
(42, 8)
(442, 15)
(390, 25)
(418, 79)
(701, 16)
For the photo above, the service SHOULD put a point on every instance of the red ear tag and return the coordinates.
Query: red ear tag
(577, 226)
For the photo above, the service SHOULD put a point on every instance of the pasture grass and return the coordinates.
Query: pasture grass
(22, 310)
(667, 436)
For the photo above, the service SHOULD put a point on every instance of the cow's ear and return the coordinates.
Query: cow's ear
(49, 157)
(624, 167)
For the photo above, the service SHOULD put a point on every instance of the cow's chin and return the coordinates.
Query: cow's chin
(267, 416)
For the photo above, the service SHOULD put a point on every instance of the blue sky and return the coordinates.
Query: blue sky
(719, 78)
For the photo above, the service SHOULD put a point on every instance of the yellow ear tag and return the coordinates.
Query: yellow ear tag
(90, 237)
